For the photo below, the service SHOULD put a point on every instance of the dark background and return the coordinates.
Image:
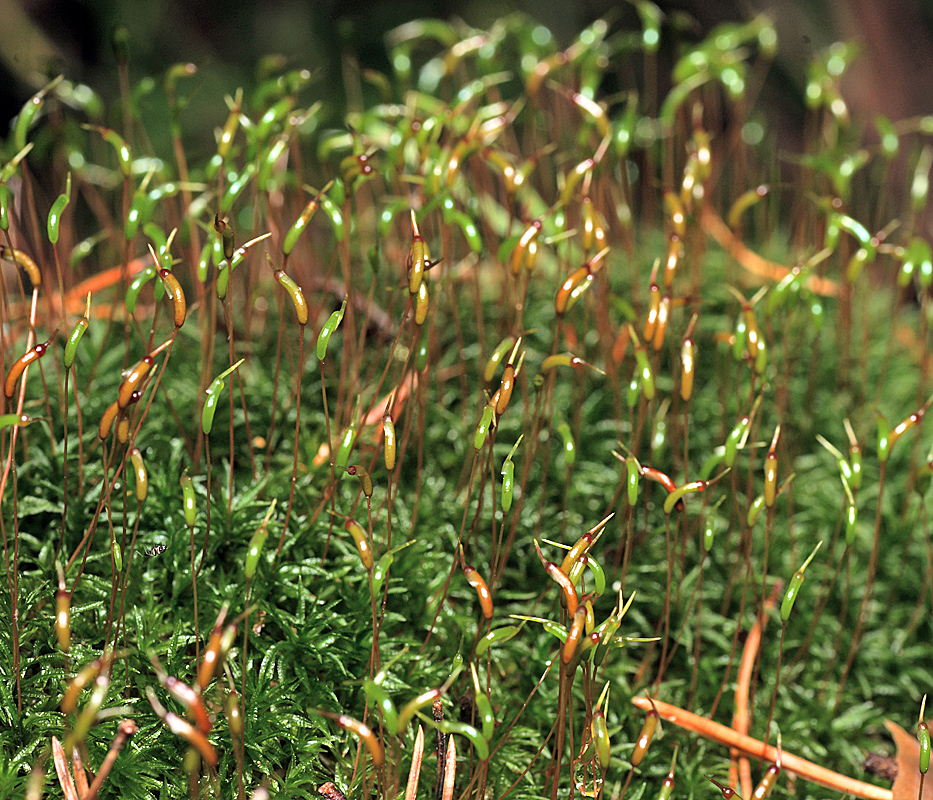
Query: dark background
(39, 38)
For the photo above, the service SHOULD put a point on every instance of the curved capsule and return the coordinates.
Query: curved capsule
(493, 637)
(20, 420)
(526, 248)
(482, 590)
(30, 267)
(570, 452)
(362, 543)
(183, 728)
(174, 290)
(213, 396)
(556, 574)
(483, 707)
(408, 710)
(378, 696)
(295, 293)
(254, 550)
(107, 420)
(476, 738)
(333, 322)
(578, 282)
(187, 490)
(754, 510)
(768, 782)
(226, 236)
(297, 228)
(489, 371)
(482, 429)
(55, 212)
(508, 382)
(645, 736)
(346, 445)
(135, 287)
(142, 476)
(600, 735)
(133, 381)
(793, 588)
(366, 480)
(388, 432)
(71, 346)
(677, 495)
(574, 633)
(19, 366)
(599, 575)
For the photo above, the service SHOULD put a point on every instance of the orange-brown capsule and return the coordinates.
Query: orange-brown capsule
(643, 742)
(188, 697)
(676, 211)
(123, 429)
(687, 368)
(24, 261)
(295, 293)
(570, 593)
(106, 421)
(366, 735)
(19, 366)
(83, 679)
(664, 310)
(63, 617)
(578, 282)
(573, 634)
(768, 781)
(527, 239)
(482, 590)
(505, 389)
(183, 728)
(654, 306)
(132, 381)
(174, 290)
(675, 249)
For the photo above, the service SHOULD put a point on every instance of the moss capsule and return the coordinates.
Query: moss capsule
(570, 451)
(333, 322)
(494, 637)
(142, 476)
(793, 588)
(346, 445)
(482, 590)
(254, 550)
(19, 366)
(55, 212)
(213, 393)
(771, 470)
(574, 634)
(71, 346)
(483, 707)
(559, 577)
(645, 736)
(421, 304)
(295, 293)
(768, 782)
(600, 734)
(175, 292)
(388, 442)
(419, 257)
(923, 735)
(107, 420)
(291, 238)
(489, 371)
(133, 381)
(482, 429)
(365, 479)
(363, 546)
(188, 505)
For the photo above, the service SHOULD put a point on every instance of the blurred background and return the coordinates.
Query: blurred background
(40, 38)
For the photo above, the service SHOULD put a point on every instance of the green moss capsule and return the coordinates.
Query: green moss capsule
(361, 539)
(600, 733)
(482, 429)
(495, 637)
(346, 445)
(6, 204)
(378, 696)
(71, 346)
(508, 477)
(213, 396)
(489, 371)
(297, 228)
(633, 472)
(793, 588)
(365, 479)
(754, 510)
(187, 490)
(135, 287)
(335, 216)
(333, 322)
(483, 707)
(476, 738)
(55, 212)
(570, 452)
(645, 374)
(254, 550)
(923, 735)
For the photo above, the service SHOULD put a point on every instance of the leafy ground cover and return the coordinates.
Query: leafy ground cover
(484, 407)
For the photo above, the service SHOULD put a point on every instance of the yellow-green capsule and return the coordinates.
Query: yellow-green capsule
(419, 257)
(362, 543)
(187, 489)
(142, 477)
(291, 238)
(295, 293)
(327, 331)
(483, 707)
(71, 346)
(366, 480)
(213, 396)
(600, 733)
(633, 472)
(346, 445)
(256, 542)
(570, 452)
(498, 354)
(793, 588)
(508, 477)
(55, 212)
(923, 735)
(388, 443)
(482, 429)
